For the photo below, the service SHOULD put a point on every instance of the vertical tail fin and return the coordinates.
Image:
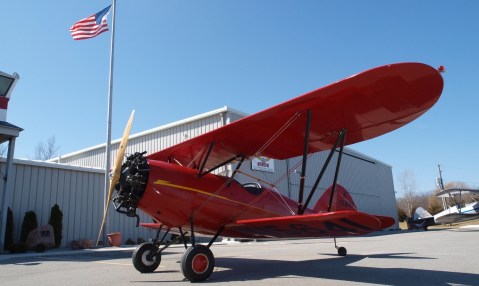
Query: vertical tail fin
(342, 200)
(421, 213)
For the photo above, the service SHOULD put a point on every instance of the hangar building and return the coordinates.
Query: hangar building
(75, 180)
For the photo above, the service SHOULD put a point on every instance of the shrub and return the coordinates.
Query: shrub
(401, 215)
(82, 244)
(56, 221)
(20, 247)
(8, 230)
(29, 223)
(40, 247)
(130, 241)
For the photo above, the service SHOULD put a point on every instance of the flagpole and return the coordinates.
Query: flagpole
(108, 125)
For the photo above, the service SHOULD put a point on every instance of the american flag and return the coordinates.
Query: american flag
(91, 26)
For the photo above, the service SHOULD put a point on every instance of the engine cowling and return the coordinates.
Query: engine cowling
(132, 184)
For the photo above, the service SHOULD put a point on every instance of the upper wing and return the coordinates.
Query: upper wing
(368, 104)
(340, 223)
(455, 191)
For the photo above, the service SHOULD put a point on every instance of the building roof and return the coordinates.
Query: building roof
(159, 128)
(8, 130)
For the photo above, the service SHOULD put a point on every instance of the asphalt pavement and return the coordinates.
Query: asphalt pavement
(445, 256)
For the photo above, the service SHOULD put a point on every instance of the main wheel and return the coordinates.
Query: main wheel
(197, 263)
(143, 260)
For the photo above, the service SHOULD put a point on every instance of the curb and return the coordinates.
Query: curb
(59, 252)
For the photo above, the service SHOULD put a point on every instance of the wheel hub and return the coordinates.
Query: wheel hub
(200, 263)
(147, 259)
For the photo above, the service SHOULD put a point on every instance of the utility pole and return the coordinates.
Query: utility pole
(439, 179)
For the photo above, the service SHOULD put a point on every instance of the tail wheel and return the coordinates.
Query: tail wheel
(144, 259)
(342, 251)
(197, 263)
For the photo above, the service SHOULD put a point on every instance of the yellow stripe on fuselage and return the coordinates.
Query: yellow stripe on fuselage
(169, 184)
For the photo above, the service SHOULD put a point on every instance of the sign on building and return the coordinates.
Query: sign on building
(263, 164)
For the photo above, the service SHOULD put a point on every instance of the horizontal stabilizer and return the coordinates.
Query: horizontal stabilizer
(339, 223)
(385, 221)
(151, 225)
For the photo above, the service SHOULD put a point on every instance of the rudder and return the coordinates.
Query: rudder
(421, 213)
(342, 200)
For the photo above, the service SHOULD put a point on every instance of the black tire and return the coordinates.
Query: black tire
(197, 263)
(342, 251)
(141, 261)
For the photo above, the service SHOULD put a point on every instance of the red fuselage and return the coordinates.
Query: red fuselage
(175, 193)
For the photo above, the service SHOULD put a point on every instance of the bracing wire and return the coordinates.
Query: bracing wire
(277, 134)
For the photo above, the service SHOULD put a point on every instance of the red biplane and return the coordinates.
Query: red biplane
(179, 189)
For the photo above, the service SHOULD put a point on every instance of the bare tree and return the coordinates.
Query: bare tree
(46, 150)
(434, 203)
(408, 200)
(3, 149)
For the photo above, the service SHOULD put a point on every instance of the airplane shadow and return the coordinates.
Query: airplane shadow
(337, 268)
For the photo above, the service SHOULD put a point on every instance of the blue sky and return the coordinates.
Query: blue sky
(175, 59)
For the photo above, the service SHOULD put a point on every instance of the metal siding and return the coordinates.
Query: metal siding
(68, 208)
(42, 195)
(94, 195)
(360, 179)
(389, 194)
(79, 193)
(16, 199)
(60, 198)
(81, 201)
(151, 142)
(233, 117)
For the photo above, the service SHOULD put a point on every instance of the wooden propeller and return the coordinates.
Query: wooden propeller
(116, 170)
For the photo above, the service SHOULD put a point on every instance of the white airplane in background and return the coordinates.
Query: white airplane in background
(454, 210)
(451, 214)
(457, 212)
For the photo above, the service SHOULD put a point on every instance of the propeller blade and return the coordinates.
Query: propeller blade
(116, 170)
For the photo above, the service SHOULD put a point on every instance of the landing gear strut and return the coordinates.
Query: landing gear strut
(342, 251)
(197, 263)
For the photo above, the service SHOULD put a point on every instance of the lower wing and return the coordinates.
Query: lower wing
(340, 223)
(455, 218)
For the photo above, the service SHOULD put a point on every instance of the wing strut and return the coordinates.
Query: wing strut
(201, 173)
(206, 158)
(336, 173)
(340, 139)
(305, 161)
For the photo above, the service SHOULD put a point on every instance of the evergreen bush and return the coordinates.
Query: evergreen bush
(20, 247)
(29, 223)
(56, 221)
(8, 230)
